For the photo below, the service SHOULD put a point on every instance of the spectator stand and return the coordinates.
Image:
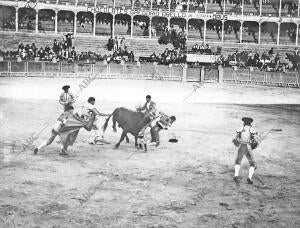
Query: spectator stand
(276, 26)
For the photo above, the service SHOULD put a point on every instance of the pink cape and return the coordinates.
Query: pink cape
(69, 132)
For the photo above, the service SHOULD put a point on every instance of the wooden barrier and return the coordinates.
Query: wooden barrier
(211, 74)
(258, 77)
(193, 74)
(242, 75)
(131, 71)
(148, 71)
(290, 79)
(228, 75)
(4, 69)
(273, 78)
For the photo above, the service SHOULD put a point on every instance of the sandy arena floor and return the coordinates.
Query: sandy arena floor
(188, 184)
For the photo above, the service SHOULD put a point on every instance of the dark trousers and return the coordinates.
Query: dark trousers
(155, 134)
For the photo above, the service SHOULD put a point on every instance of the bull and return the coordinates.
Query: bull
(130, 121)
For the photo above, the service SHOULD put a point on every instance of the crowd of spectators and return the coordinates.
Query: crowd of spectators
(175, 56)
(203, 48)
(199, 5)
(65, 51)
(268, 60)
(142, 3)
(177, 39)
(120, 50)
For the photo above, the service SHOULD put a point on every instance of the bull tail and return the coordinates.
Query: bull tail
(114, 122)
(105, 124)
(104, 127)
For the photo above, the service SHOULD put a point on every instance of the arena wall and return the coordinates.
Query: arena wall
(148, 71)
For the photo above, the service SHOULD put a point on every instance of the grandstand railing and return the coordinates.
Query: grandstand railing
(148, 71)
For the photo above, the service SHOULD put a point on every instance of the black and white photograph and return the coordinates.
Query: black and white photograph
(149, 113)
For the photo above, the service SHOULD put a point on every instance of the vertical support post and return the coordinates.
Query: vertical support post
(113, 25)
(169, 23)
(36, 21)
(297, 35)
(260, 7)
(131, 26)
(17, 19)
(224, 7)
(204, 38)
(75, 22)
(9, 68)
(278, 33)
(94, 24)
(55, 21)
(187, 19)
(184, 69)
(221, 74)
(205, 10)
(241, 32)
(280, 5)
(299, 8)
(150, 25)
(259, 33)
(26, 69)
(187, 27)
(222, 38)
(202, 74)
(243, 4)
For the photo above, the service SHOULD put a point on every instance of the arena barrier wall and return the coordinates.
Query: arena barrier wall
(193, 74)
(211, 74)
(290, 79)
(148, 71)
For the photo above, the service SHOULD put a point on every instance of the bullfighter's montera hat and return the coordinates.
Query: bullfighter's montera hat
(247, 120)
(66, 87)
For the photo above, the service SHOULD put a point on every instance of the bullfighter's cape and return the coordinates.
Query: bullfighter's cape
(69, 131)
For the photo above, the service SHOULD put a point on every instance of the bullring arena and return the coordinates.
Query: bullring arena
(184, 184)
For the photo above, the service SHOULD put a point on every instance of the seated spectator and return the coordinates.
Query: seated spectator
(30, 25)
(108, 58)
(110, 44)
(153, 57)
(41, 54)
(125, 52)
(33, 48)
(195, 48)
(20, 47)
(55, 46)
(219, 50)
(73, 54)
(131, 57)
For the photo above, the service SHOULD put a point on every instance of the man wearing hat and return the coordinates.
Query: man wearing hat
(61, 121)
(243, 140)
(66, 98)
(149, 109)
